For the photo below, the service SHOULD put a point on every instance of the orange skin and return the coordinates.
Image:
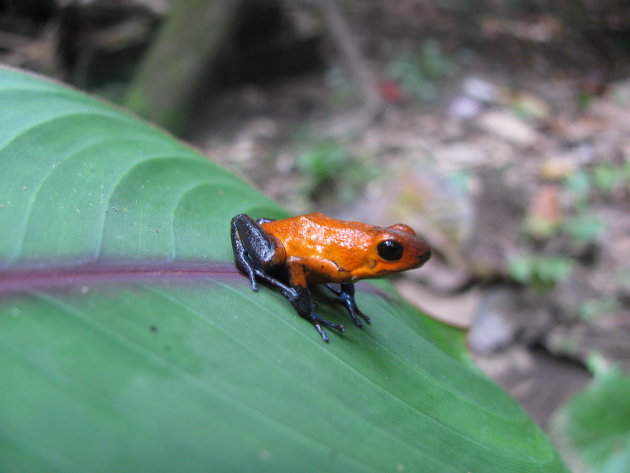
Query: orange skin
(317, 249)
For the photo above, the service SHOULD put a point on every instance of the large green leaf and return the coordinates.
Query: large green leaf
(593, 427)
(128, 342)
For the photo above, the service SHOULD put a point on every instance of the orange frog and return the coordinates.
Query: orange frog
(295, 253)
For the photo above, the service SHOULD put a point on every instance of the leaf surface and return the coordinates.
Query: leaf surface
(128, 341)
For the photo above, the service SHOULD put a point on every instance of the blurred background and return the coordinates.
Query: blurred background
(498, 129)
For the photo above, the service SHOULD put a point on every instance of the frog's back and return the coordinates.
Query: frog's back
(318, 234)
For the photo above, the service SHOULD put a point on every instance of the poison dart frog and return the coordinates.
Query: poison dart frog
(295, 253)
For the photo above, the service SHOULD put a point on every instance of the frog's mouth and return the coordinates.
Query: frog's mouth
(424, 257)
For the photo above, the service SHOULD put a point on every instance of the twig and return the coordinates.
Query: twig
(346, 42)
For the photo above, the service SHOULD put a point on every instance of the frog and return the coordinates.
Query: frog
(299, 253)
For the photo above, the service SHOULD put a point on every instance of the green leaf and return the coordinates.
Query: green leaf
(579, 184)
(594, 426)
(128, 341)
(584, 228)
(554, 269)
(522, 268)
(619, 462)
(606, 177)
(324, 160)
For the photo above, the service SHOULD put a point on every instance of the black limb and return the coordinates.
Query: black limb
(254, 250)
(300, 298)
(346, 297)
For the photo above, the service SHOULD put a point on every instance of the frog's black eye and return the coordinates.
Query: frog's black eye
(390, 250)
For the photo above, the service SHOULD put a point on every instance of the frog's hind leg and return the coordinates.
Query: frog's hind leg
(300, 298)
(346, 297)
(255, 251)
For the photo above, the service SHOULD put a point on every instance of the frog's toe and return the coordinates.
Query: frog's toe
(338, 327)
(317, 322)
(365, 317)
(322, 332)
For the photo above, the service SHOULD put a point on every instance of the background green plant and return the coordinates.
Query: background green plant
(330, 169)
(419, 72)
(594, 426)
(540, 271)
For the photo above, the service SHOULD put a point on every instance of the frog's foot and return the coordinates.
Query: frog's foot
(300, 298)
(317, 322)
(346, 297)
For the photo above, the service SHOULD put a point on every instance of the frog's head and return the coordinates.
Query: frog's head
(396, 248)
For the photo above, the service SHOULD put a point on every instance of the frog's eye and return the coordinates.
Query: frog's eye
(390, 250)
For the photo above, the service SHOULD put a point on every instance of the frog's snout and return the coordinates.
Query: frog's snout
(425, 255)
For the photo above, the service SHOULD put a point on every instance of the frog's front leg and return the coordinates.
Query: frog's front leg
(255, 251)
(346, 297)
(300, 298)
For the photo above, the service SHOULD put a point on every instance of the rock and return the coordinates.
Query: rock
(508, 127)
(464, 107)
(476, 94)
(479, 89)
(619, 92)
(458, 155)
(581, 341)
(578, 130)
(495, 324)
(559, 167)
(539, 381)
(615, 116)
